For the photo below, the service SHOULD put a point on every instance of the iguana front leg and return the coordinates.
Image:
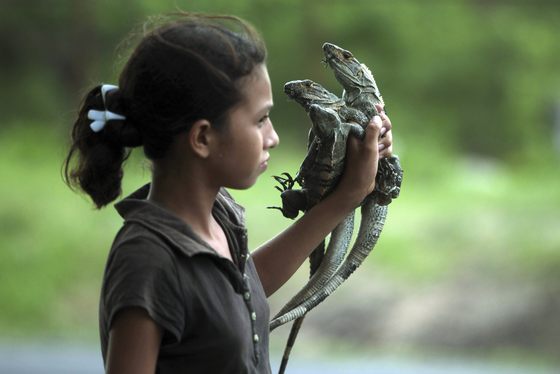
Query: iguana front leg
(293, 201)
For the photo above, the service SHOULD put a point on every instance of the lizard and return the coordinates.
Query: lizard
(326, 161)
(360, 93)
(308, 93)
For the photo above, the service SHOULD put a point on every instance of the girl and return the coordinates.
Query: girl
(180, 291)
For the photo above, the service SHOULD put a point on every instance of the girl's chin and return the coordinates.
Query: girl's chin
(244, 185)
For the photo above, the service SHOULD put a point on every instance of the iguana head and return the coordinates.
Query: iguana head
(354, 76)
(306, 93)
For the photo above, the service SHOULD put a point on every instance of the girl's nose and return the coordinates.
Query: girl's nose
(272, 138)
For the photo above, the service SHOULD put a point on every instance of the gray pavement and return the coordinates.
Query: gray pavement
(43, 358)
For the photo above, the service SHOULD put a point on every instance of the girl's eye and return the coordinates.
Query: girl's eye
(263, 120)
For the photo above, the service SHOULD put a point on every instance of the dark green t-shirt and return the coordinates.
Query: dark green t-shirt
(213, 312)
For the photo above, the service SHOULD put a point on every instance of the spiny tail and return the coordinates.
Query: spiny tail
(315, 258)
(289, 345)
(314, 261)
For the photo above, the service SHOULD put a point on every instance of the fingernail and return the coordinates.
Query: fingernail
(377, 120)
(383, 131)
(381, 146)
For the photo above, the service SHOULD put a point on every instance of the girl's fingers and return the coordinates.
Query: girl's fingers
(386, 121)
(386, 144)
(363, 155)
(385, 140)
(382, 132)
(386, 124)
(377, 127)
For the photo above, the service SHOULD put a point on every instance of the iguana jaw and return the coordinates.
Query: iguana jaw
(346, 68)
(354, 76)
(306, 92)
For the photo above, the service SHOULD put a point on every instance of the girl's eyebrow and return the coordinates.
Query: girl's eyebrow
(265, 109)
(268, 107)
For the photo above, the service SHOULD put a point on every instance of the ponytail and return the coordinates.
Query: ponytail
(94, 163)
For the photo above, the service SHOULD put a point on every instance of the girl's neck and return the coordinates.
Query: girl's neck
(188, 198)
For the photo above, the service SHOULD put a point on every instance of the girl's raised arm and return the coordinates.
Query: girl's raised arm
(279, 258)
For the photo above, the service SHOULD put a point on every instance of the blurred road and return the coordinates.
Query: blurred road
(78, 359)
(42, 358)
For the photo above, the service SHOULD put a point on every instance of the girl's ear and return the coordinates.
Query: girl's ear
(199, 138)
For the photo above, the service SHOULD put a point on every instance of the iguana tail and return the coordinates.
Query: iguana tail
(289, 345)
(373, 219)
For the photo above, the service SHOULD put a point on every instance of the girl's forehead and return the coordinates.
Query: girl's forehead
(258, 75)
(256, 87)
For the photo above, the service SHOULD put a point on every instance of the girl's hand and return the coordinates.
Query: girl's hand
(362, 157)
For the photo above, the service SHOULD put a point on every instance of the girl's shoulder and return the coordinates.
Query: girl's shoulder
(227, 204)
(135, 243)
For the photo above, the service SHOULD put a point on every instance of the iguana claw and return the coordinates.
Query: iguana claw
(293, 201)
(287, 181)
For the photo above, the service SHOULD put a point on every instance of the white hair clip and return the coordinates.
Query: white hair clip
(100, 117)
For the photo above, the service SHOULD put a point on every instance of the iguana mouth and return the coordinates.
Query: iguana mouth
(326, 61)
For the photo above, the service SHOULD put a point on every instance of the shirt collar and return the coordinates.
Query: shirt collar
(136, 208)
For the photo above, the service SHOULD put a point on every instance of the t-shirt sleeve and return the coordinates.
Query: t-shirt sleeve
(142, 273)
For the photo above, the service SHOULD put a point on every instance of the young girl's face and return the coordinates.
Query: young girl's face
(248, 134)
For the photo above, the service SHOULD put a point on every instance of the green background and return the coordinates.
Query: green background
(469, 260)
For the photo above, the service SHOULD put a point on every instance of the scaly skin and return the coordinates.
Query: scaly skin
(360, 92)
(360, 89)
(323, 165)
(315, 100)
(373, 219)
(308, 93)
(360, 96)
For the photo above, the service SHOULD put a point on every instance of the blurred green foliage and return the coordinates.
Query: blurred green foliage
(470, 86)
(472, 76)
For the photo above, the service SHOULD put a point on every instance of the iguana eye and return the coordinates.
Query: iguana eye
(347, 54)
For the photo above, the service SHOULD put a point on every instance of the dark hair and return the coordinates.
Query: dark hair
(184, 70)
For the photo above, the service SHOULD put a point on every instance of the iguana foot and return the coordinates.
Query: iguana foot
(285, 180)
(293, 201)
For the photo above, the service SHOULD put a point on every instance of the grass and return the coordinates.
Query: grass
(453, 213)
